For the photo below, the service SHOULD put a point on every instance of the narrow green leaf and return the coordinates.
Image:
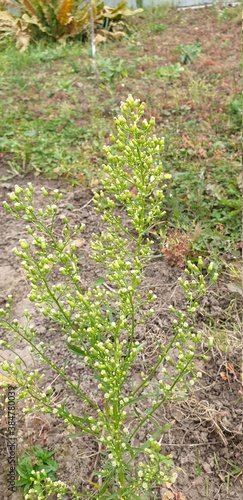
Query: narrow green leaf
(98, 282)
(76, 349)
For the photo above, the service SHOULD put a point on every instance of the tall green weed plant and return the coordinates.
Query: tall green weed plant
(101, 324)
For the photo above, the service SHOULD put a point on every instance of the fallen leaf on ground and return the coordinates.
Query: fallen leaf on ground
(168, 496)
(78, 243)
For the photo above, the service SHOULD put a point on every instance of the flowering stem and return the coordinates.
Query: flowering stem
(51, 364)
(157, 405)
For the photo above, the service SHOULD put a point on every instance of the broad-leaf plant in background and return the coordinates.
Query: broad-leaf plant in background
(100, 324)
(25, 20)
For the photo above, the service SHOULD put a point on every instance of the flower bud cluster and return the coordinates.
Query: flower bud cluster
(156, 469)
(22, 204)
(28, 386)
(135, 176)
(185, 339)
(43, 486)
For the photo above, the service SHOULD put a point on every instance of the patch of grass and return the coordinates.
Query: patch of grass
(43, 143)
(229, 14)
(43, 128)
(14, 60)
(159, 28)
(235, 111)
(233, 474)
(215, 207)
(56, 118)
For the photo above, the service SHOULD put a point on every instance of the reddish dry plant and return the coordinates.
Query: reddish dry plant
(177, 248)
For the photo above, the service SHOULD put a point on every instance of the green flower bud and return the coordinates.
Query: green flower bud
(210, 341)
(18, 190)
(210, 267)
(24, 244)
(13, 197)
(44, 191)
(5, 366)
(7, 206)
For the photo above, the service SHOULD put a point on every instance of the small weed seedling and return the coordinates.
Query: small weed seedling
(170, 72)
(110, 70)
(101, 324)
(189, 52)
(234, 473)
(159, 28)
(36, 462)
(198, 465)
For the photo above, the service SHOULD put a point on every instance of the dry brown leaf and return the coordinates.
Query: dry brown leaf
(133, 190)
(100, 38)
(94, 182)
(78, 243)
(217, 154)
(65, 11)
(29, 7)
(168, 495)
(187, 140)
(202, 153)
(22, 41)
(167, 485)
(116, 34)
(230, 368)
(82, 178)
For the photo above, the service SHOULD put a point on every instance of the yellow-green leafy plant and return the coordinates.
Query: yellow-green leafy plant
(101, 323)
(26, 20)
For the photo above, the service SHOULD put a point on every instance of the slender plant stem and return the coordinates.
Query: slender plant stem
(93, 46)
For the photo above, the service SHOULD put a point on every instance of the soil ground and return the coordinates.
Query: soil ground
(206, 438)
(207, 433)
